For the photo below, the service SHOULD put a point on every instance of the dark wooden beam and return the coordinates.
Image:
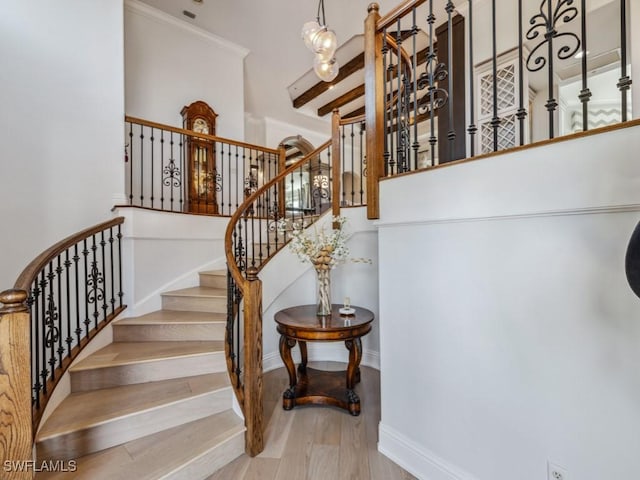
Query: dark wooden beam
(341, 100)
(352, 66)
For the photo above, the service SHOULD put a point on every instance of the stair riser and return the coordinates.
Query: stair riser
(202, 467)
(109, 434)
(168, 332)
(213, 281)
(194, 304)
(92, 379)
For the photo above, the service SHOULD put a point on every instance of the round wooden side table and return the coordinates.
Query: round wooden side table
(300, 325)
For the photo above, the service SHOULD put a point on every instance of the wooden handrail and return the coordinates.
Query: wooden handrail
(398, 12)
(28, 275)
(191, 133)
(240, 212)
(249, 395)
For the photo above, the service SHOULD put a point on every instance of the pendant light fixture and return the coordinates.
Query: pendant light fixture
(323, 42)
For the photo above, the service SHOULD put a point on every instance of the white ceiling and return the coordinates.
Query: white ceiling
(270, 30)
(278, 67)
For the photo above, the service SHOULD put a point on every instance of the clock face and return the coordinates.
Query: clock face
(200, 125)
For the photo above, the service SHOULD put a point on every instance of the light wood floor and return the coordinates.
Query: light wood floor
(318, 443)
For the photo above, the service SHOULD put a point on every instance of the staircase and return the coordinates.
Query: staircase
(156, 403)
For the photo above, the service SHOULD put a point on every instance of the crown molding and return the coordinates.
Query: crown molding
(141, 8)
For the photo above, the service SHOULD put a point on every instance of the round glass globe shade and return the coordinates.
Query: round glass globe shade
(325, 43)
(326, 71)
(309, 32)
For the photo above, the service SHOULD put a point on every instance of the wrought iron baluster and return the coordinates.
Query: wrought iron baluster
(67, 267)
(353, 161)
(388, 135)
(59, 324)
(44, 373)
(343, 159)
(495, 121)
(162, 169)
(624, 84)
(521, 114)
(141, 166)
(152, 167)
(94, 282)
(431, 60)
(76, 260)
(362, 160)
(414, 67)
(131, 164)
(85, 254)
(120, 292)
(585, 93)
(229, 155)
(181, 171)
(472, 129)
(451, 134)
(103, 243)
(112, 299)
(545, 23)
(171, 170)
(398, 115)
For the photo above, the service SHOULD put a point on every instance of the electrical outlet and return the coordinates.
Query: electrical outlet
(556, 472)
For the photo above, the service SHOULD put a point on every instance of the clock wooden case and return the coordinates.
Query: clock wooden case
(203, 181)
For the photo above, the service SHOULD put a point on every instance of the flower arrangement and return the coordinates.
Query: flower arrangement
(324, 251)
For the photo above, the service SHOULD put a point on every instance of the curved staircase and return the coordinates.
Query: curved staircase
(156, 403)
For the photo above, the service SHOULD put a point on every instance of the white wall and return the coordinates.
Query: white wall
(171, 63)
(165, 251)
(509, 336)
(60, 122)
(359, 281)
(275, 131)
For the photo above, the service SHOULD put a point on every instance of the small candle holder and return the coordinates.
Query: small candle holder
(346, 309)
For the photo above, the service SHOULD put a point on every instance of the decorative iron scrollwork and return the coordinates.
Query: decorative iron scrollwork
(95, 280)
(52, 333)
(172, 175)
(545, 23)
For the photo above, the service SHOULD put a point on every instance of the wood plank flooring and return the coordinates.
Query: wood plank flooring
(318, 443)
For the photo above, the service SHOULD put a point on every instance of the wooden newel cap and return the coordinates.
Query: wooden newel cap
(13, 301)
(373, 6)
(252, 273)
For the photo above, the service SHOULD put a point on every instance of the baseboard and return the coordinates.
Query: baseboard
(414, 458)
(332, 352)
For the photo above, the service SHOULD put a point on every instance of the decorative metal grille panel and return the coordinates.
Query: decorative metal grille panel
(506, 90)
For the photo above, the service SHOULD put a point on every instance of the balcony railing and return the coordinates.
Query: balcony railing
(177, 170)
(450, 80)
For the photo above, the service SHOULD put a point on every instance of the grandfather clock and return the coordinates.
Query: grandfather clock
(202, 177)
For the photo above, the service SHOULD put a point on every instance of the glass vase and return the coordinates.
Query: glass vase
(323, 290)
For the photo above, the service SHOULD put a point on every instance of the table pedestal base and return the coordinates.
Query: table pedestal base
(319, 387)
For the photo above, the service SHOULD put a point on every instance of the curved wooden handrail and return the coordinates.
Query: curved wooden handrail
(191, 133)
(228, 240)
(398, 12)
(28, 275)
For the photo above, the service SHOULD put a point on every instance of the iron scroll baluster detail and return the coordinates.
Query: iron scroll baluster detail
(172, 175)
(541, 23)
(546, 23)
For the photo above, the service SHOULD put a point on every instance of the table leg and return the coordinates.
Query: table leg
(353, 374)
(288, 397)
(302, 368)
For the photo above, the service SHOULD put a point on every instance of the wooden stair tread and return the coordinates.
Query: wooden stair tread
(126, 353)
(162, 317)
(160, 454)
(197, 292)
(83, 410)
(222, 272)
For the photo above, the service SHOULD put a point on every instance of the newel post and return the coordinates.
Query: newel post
(16, 435)
(374, 108)
(335, 164)
(253, 415)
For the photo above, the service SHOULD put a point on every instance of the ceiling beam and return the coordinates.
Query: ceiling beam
(350, 96)
(352, 66)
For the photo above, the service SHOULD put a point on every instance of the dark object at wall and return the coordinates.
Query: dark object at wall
(632, 261)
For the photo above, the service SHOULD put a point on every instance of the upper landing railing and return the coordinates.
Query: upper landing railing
(450, 80)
